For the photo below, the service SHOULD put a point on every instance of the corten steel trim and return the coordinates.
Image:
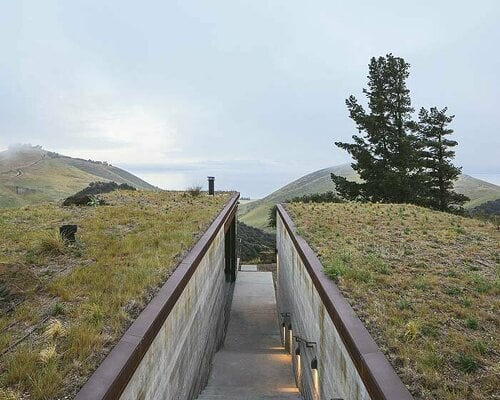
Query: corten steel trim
(230, 219)
(113, 374)
(380, 379)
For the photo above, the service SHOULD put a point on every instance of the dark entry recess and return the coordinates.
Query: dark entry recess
(230, 252)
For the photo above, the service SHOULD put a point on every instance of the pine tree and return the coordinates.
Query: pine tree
(436, 154)
(386, 156)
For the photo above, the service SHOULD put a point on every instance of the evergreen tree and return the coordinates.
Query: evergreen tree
(436, 156)
(386, 156)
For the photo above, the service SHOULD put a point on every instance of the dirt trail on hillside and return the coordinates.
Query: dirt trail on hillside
(19, 170)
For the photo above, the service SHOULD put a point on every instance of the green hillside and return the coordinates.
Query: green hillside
(255, 213)
(425, 283)
(30, 174)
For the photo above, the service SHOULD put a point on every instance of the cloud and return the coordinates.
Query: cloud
(138, 136)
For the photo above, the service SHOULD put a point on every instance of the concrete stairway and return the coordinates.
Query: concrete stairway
(252, 364)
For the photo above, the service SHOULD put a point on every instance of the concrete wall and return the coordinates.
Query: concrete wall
(349, 365)
(167, 352)
(177, 364)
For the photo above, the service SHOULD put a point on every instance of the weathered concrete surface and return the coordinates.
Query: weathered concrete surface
(252, 363)
(177, 364)
(249, 268)
(336, 376)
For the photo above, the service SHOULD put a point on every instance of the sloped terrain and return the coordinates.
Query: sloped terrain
(256, 246)
(255, 213)
(30, 175)
(64, 305)
(425, 283)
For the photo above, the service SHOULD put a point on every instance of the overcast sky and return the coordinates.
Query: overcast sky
(249, 91)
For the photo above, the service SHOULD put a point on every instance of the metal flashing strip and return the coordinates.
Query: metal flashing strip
(113, 374)
(377, 374)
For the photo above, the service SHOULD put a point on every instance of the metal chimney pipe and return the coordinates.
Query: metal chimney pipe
(211, 184)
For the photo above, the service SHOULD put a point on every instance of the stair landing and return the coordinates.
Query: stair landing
(252, 363)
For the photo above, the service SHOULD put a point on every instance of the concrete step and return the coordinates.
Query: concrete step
(236, 392)
(250, 397)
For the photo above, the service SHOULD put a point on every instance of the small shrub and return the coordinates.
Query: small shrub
(465, 302)
(195, 190)
(411, 331)
(452, 290)
(433, 360)
(31, 257)
(471, 323)
(430, 330)
(421, 285)
(359, 275)
(328, 197)
(95, 313)
(467, 363)
(479, 347)
(404, 304)
(95, 201)
(336, 269)
(57, 309)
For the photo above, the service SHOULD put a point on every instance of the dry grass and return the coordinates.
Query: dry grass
(426, 286)
(95, 288)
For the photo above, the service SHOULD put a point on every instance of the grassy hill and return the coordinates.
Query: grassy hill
(255, 213)
(76, 300)
(30, 174)
(425, 284)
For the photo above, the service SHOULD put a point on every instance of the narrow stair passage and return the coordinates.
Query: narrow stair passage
(252, 364)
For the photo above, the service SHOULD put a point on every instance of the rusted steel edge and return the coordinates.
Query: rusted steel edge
(377, 374)
(113, 374)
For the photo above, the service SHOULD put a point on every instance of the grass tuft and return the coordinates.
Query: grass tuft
(479, 347)
(404, 304)
(57, 309)
(48, 354)
(51, 244)
(54, 330)
(336, 269)
(471, 323)
(411, 331)
(467, 363)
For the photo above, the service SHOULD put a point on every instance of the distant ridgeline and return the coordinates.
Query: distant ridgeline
(29, 175)
(256, 212)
